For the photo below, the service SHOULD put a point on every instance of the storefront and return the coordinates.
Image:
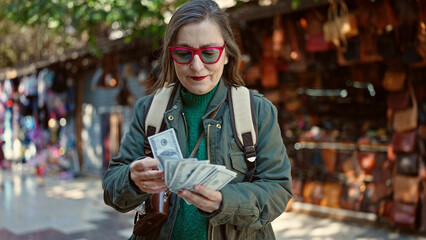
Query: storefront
(348, 81)
(67, 116)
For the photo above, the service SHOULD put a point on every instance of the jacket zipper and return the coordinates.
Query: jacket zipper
(186, 126)
(208, 141)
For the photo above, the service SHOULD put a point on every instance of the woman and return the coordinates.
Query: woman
(201, 56)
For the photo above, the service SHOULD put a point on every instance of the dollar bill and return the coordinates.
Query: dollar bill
(169, 171)
(165, 146)
(182, 173)
(218, 179)
(199, 174)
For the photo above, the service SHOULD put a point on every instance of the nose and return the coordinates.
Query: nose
(196, 64)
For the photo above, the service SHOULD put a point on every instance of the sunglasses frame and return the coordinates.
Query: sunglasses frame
(197, 51)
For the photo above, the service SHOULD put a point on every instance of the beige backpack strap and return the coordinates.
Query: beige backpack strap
(154, 118)
(244, 125)
(160, 102)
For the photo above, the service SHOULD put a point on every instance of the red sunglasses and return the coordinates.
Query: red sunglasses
(208, 55)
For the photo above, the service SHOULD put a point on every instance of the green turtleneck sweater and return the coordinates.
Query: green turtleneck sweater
(190, 224)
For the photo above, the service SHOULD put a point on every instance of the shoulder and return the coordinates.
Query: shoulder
(144, 102)
(263, 107)
(142, 105)
(261, 103)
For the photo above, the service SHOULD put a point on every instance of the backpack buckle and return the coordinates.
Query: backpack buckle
(250, 153)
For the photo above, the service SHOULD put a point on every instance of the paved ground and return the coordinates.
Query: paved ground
(74, 210)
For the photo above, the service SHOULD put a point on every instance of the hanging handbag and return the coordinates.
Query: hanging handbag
(404, 215)
(329, 157)
(314, 37)
(407, 164)
(406, 189)
(394, 79)
(404, 142)
(312, 192)
(367, 161)
(398, 101)
(269, 78)
(341, 24)
(406, 120)
(332, 192)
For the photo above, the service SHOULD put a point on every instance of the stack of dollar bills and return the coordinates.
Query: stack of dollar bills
(183, 173)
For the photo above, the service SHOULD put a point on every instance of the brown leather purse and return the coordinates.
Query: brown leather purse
(312, 192)
(154, 215)
(407, 164)
(394, 79)
(329, 157)
(404, 215)
(406, 189)
(332, 193)
(404, 142)
(406, 119)
(398, 101)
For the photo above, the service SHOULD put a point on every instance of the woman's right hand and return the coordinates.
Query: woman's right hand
(145, 174)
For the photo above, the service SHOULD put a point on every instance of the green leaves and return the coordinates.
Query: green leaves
(63, 24)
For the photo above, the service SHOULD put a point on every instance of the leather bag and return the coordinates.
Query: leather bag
(153, 217)
(340, 24)
(312, 192)
(406, 189)
(367, 160)
(404, 215)
(398, 101)
(269, 78)
(404, 142)
(329, 157)
(332, 193)
(314, 38)
(394, 79)
(406, 119)
(407, 164)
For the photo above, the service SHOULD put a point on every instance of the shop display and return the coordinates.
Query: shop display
(353, 117)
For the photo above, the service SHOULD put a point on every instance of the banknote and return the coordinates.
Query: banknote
(165, 146)
(199, 174)
(180, 173)
(169, 170)
(183, 172)
(218, 179)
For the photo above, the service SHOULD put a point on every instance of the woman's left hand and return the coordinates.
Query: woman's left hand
(203, 198)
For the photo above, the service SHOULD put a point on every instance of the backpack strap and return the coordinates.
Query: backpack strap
(161, 101)
(241, 108)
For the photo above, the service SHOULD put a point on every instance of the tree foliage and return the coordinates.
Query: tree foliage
(39, 28)
(51, 26)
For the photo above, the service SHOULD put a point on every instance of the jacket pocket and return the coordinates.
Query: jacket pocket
(237, 158)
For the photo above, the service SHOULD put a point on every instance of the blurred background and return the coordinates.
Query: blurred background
(347, 78)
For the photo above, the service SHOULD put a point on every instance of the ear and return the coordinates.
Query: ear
(226, 61)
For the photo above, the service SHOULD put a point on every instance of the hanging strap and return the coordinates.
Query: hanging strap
(241, 108)
(212, 116)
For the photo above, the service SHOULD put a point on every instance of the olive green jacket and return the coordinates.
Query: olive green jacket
(248, 208)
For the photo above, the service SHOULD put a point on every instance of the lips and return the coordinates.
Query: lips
(198, 78)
